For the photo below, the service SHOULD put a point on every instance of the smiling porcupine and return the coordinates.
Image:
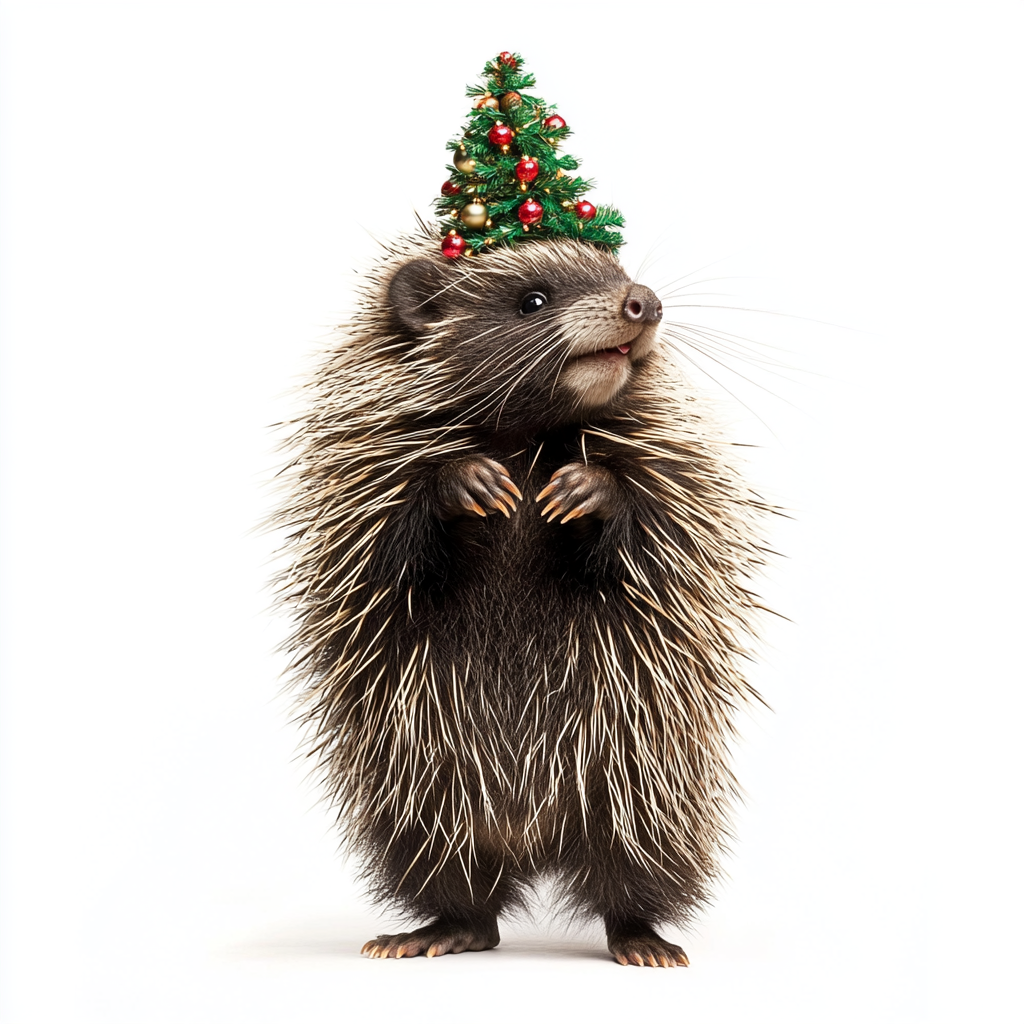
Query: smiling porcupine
(520, 568)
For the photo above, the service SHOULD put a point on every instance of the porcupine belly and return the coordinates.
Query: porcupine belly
(525, 734)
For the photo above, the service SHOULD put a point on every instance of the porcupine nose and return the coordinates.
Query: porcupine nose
(641, 305)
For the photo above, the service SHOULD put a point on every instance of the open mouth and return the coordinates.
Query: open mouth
(614, 354)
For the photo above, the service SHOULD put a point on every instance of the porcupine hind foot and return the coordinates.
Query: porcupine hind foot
(477, 485)
(435, 939)
(634, 942)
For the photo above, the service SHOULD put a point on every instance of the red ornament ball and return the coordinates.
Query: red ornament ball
(531, 212)
(500, 135)
(527, 169)
(585, 210)
(453, 245)
(554, 122)
(448, 189)
(506, 58)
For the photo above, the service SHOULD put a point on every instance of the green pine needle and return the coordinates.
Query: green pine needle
(491, 178)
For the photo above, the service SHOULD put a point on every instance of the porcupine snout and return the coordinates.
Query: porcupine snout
(641, 305)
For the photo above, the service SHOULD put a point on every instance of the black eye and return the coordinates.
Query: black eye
(533, 302)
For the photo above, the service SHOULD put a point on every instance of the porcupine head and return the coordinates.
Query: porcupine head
(519, 565)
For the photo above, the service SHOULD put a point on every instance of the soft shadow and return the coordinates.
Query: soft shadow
(306, 939)
(537, 947)
(344, 939)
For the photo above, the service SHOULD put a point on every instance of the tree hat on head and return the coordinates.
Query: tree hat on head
(507, 182)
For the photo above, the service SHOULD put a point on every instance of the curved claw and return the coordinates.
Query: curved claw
(478, 485)
(503, 502)
(509, 486)
(577, 490)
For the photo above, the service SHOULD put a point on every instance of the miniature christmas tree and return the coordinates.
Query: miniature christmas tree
(507, 181)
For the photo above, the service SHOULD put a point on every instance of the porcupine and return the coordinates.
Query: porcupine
(521, 565)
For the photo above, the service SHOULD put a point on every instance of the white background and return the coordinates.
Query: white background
(187, 187)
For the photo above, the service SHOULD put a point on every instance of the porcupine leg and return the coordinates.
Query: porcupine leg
(630, 898)
(462, 902)
(615, 890)
(460, 923)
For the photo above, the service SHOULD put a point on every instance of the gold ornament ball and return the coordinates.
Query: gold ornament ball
(474, 215)
(510, 101)
(464, 162)
(487, 100)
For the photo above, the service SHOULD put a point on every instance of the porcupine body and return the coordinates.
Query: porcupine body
(500, 687)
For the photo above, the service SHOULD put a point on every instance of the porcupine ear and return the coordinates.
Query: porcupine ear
(415, 294)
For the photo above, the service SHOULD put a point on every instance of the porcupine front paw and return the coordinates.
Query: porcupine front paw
(435, 939)
(477, 485)
(578, 490)
(640, 945)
